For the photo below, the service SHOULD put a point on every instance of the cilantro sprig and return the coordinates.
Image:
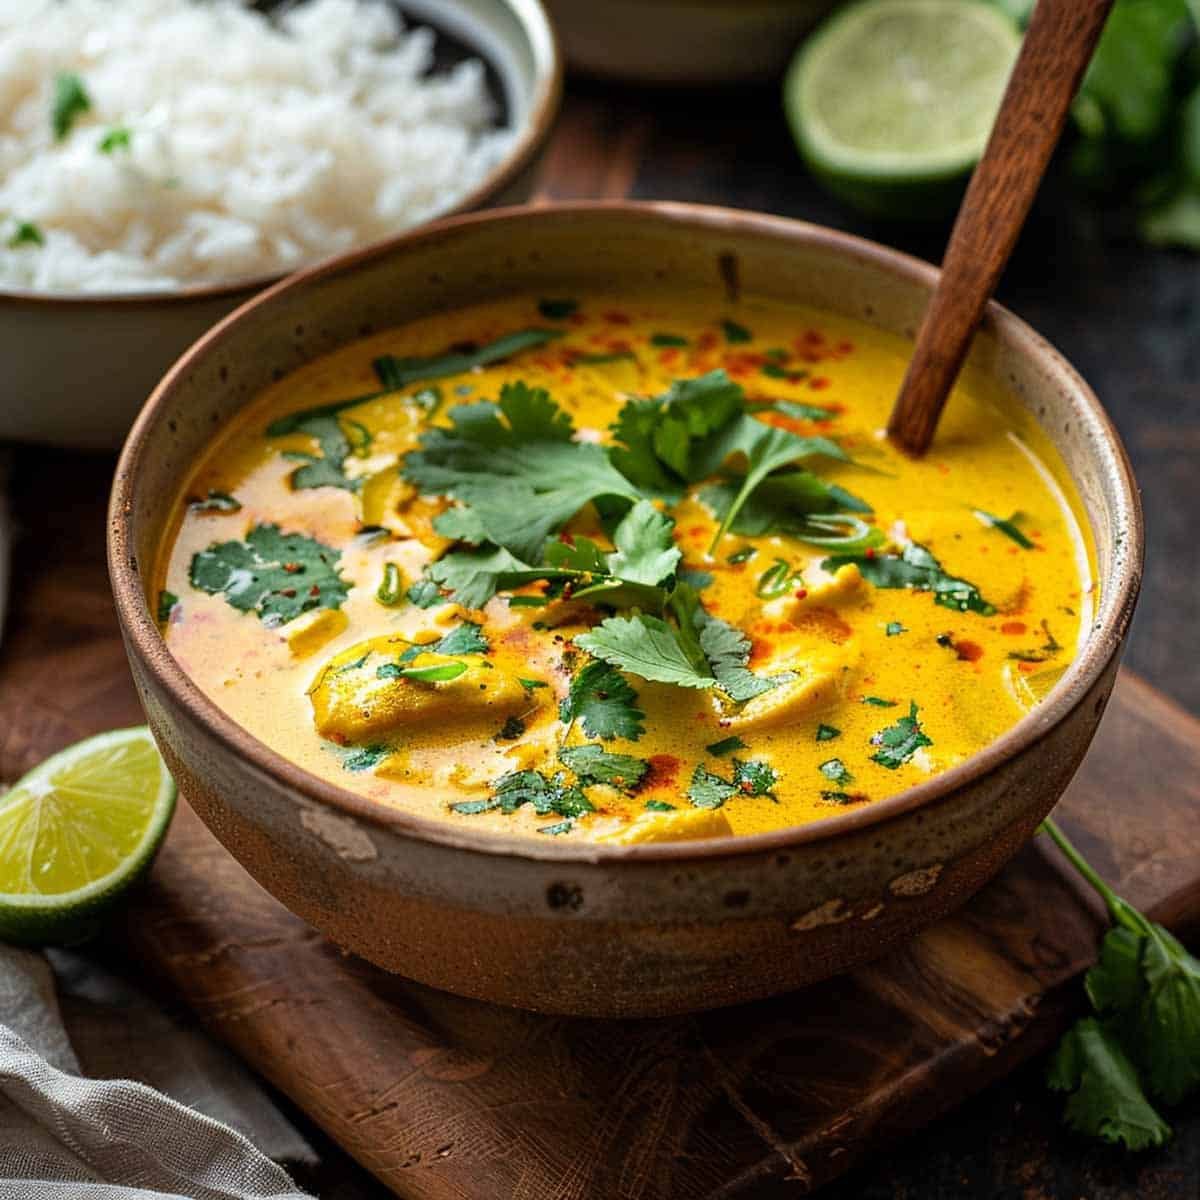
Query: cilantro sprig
(915, 568)
(1142, 1046)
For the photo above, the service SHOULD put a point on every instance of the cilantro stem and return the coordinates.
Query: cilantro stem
(1115, 904)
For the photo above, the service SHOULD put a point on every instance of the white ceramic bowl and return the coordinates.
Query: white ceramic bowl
(78, 368)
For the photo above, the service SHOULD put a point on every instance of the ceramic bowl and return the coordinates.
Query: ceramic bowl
(78, 367)
(561, 926)
(684, 41)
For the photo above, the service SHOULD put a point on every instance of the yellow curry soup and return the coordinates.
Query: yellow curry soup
(623, 569)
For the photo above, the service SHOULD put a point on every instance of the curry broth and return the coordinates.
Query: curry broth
(844, 660)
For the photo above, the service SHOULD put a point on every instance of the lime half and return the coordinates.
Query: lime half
(77, 831)
(891, 101)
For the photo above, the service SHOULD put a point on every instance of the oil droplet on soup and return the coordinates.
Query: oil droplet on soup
(625, 569)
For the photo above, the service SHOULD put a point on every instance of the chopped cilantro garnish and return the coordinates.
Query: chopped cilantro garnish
(215, 502)
(878, 702)
(558, 310)
(26, 233)
(835, 771)
(557, 829)
(726, 746)
(276, 575)
(774, 370)
(1008, 527)
(70, 102)
(707, 790)
(528, 601)
(659, 806)
(826, 733)
(599, 360)
(363, 758)
(667, 339)
(916, 568)
(593, 764)
(464, 638)
(754, 777)
(603, 702)
(797, 410)
(531, 685)
(166, 605)
(840, 797)
(424, 593)
(391, 587)
(894, 629)
(735, 333)
(899, 742)
(117, 138)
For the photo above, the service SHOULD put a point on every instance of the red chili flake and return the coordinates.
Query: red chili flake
(314, 590)
(668, 356)
(968, 651)
(288, 592)
(814, 337)
(696, 530)
(707, 340)
(819, 384)
(577, 319)
(1013, 627)
(567, 539)
(760, 648)
(619, 346)
(801, 593)
(845, 347)
(746, 785)
(616, 318)
(663, 770)
(870, 552)
(292, 568)
(1026, 667)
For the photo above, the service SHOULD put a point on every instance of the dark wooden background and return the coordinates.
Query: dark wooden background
(1128, 316)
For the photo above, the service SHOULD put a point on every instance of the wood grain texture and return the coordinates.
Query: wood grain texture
(1054, 54)
(444, 1098)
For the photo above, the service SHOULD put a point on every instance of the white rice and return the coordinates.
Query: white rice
(254, 146)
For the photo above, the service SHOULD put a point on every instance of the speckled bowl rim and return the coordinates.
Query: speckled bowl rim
(543, 109)
(1118, 595)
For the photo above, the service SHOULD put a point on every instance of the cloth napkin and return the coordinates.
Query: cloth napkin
(103, 1096)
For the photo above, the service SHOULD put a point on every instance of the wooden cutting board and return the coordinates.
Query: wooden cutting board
(445, 1098)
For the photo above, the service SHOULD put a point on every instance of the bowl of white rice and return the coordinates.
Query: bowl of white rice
(162, 160)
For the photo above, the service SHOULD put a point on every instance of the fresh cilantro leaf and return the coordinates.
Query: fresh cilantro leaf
(424, 593)
(547, 795)
(774, 370)
(835, 771)
(276, 575)
(735, 333)
(707, 790)
(894, 629)
(784, 502)
(473, 577)
(326, 469)
(667, 339)
(558, 310)
(166, 605)
(837, 797)
(755, 777)
(531, 685)
(558, 828)
(603, 702)
(645, 646)
(728, 651)
(899, 742)
(215, 502)
(465, 638)
(515, 465)
(1168, 1018)
(26, 233)
(645, 552)
(826, 733)
(117, 138)
(915, 568)
(512, 729)
(70, 102)
(726, 746)
(472, 808)
(363, 758)
(1107, 1099)
(659, 806)
(1006, 526)
(593, 764)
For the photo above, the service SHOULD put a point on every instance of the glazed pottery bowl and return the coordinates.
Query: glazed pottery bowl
(562, 926)
(78, 367)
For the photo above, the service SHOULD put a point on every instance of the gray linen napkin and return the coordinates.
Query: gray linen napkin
(64, 1136)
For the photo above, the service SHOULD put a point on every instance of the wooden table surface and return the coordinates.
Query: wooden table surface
(1128, 316)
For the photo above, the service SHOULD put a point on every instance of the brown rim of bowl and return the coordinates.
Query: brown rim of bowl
(1109, 624)
(543, 108)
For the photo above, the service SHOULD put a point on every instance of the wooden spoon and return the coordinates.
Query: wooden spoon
(1057, 48)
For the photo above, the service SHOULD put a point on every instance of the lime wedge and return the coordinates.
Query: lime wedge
(77, 831)
(891, 101)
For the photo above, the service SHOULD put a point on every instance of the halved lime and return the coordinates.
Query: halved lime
(891, 101)
(77, 831)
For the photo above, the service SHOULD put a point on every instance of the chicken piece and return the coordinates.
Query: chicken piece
(352, 703)
(844, 588)
(822, 677)
(314, 629)
(679, 825)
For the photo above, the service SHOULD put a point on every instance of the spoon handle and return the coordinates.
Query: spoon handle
(1057, 48)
